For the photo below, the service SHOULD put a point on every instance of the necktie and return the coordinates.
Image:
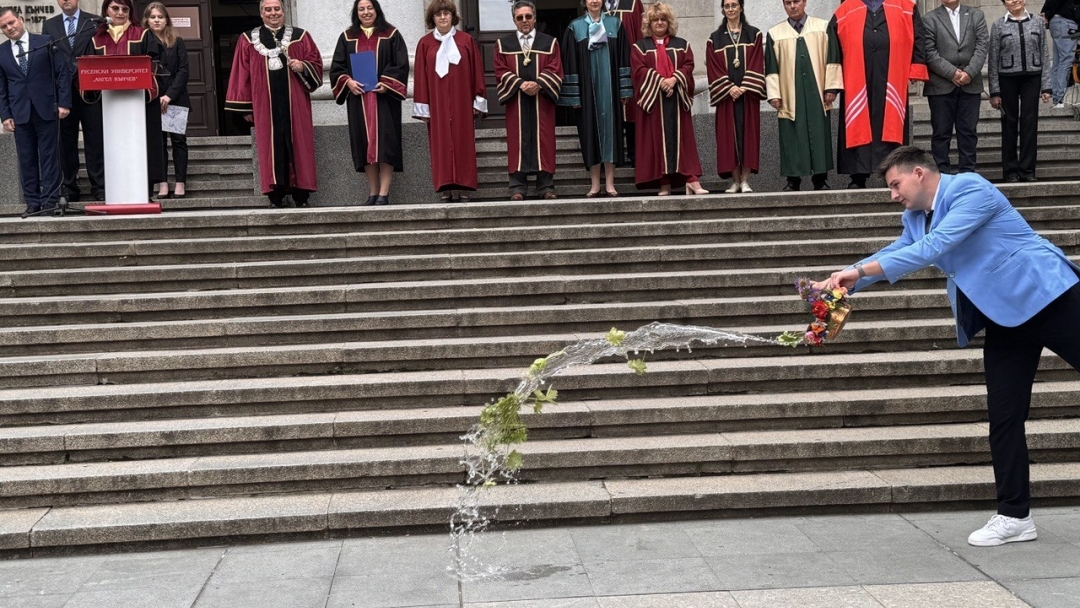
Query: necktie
(929, 218)
(23, 65)
(70, 30)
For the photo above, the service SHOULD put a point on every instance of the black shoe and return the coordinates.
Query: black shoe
(370, 200)
(382, 199)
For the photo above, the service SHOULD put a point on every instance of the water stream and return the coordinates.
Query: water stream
(489, 455)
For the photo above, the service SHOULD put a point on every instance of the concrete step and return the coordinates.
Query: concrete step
(563, 460)
(425, 295)
(473, 323)
(632, 417)
(91, 397)
(42, 531)
(479, 215)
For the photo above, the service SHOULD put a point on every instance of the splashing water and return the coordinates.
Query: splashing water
(489, 458)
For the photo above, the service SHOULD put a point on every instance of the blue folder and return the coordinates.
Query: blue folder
(364, 70)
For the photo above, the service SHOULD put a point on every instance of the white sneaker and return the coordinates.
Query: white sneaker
(1059, 105)
(733, 188)
(1003, 529)
(745, 187)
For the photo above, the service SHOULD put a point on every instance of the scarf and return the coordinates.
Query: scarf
(116, 31)
(448, 52)
(597, 32)
(663, 62)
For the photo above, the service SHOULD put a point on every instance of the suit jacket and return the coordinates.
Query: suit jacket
(996, 265)
(945, 54)
(22, 94)
(84, 40)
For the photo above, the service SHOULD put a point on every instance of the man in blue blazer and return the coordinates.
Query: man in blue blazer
(34, 90)
(1002, 277)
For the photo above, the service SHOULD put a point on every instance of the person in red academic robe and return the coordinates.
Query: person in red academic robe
(275, 69)
(629, 13)
(375, 115)
(735, 60)
(528, 68)
(662, 68)
(124, 36)
(448, 90)
(882, 46)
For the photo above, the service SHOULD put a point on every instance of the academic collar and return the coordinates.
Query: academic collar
(116, 31)
(1026, 16)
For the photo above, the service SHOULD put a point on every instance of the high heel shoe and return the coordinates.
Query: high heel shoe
(695, 188)
(733, 188)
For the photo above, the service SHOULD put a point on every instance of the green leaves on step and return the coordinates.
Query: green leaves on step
(790, 338)
(638, 365)
(615, 337)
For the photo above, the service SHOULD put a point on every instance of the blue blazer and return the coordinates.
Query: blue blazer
(996, 264)
(20, 94)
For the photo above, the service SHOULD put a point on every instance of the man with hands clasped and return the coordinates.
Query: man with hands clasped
(1002, 277)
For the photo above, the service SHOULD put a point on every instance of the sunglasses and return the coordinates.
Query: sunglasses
(523, 18)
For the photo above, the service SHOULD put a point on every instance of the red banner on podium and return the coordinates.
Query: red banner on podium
(115, 73)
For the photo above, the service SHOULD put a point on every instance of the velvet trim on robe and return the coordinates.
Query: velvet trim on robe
(530, 120)
(581, 88)
(451, 102)
(666, 147)
(280, 101)
(374, 118)
(721, 51)
(138, 41)
(880, 53)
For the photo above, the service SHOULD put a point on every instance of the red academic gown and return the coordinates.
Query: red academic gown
(252, 91)
(666, 147)
(630, 13)
(721, 53)
(451, 132)
(530, 120)
(136, 40)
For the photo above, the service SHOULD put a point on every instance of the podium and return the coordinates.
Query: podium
(123, 81)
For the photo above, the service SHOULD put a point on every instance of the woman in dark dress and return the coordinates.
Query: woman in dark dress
(735, 59)
(172, 82)
(375, 115)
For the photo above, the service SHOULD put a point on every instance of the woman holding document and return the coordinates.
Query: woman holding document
(172, 81)
(370, 72)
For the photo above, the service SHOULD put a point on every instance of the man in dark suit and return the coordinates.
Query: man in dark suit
(957, 42)
(29, 105)
(73, 31)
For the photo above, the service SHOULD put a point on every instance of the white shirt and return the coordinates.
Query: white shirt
(954, 16)
(25, 46)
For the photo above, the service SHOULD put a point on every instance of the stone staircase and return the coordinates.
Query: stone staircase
(229, 375)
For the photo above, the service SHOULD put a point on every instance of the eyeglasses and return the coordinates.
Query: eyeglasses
(523, 18)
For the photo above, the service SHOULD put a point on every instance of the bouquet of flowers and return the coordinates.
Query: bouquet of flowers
(830, 309)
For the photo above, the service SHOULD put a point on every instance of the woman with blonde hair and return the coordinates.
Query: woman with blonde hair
(173, 82)
(662, 68)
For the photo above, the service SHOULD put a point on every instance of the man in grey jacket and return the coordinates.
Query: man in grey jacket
(957, 41)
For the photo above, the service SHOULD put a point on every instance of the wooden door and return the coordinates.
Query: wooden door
(191, 18)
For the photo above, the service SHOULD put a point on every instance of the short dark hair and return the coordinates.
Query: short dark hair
(380, 25)
(439, 6)
(906, 158)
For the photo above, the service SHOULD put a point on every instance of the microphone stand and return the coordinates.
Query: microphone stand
(62, 206)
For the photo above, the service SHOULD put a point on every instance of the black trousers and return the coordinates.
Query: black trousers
(957, 110)
(1010, 359)
(180, 154)
(1019, 116)
(88, 115)
(519, 182)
